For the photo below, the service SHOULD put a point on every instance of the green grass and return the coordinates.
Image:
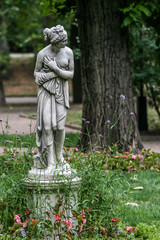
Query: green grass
(29, 141)
(74, 116)
(148, 198)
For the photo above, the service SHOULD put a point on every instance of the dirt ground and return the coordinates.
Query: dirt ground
(21, 80)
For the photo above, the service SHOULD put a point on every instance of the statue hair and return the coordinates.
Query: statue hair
(55, 34)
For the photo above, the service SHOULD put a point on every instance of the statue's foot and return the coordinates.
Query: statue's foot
(49, 170)
(63, 166)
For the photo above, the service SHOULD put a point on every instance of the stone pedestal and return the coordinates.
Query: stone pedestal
(45, 194)
(46, 190)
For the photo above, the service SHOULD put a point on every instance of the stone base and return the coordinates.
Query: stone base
(52, 173)
(44, 195)
(48, 185)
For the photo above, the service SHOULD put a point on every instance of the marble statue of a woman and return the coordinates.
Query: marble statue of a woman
(54, 67)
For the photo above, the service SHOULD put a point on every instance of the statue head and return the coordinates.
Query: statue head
(55, 34)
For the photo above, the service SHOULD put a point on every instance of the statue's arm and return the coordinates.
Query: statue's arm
(42, 77)
(65, 74)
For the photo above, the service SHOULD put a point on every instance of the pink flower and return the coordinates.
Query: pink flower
(84, 221)
(69, 223)
(110, 148)
(25, 224)
(17, 219)
(76, 149)
(57, 218)
(82, 212)
(129, 229)
(133, 156)
(140, 156)
(125, 156)
(69, 159)
(27, 212)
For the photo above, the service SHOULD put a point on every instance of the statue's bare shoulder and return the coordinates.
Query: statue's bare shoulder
(44, 51)
(69, 52)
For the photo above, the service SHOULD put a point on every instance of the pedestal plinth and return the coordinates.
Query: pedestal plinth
(46, 190)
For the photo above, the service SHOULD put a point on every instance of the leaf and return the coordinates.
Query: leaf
(80, 218)
(103, 231)
(48, 224)
(74, 213)
(62, 213)
(138, 188)
(144, 10)
(127, 21)
(34, 223)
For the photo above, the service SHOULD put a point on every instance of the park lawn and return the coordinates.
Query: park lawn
(29, 140)
(106, 192)
(14, 192)
(146, 196)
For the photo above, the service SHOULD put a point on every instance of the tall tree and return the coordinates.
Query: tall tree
(76, 83)
(106, 76)
(19, 24)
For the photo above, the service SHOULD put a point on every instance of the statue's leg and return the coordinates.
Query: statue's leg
(59, 142)
(60, 133)
(48, 134)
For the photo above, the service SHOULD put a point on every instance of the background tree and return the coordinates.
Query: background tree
(64, 12)
(76, 82)
(106, 76)
(145, 72)
(142, 18)
(21, 21)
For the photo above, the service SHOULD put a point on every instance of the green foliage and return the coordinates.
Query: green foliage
(140, 12)
(145, 65)
(26, 18)
(148, 232)
(102, 194)
(29, 140)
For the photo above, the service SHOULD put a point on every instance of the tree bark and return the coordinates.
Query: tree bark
(2, 96)
(106, 76)
(77, 82)
(4, 50)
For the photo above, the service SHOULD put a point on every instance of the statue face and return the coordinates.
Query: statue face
(62, 43)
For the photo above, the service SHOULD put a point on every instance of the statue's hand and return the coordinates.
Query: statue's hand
(50, 63)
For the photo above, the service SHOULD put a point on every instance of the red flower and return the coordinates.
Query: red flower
(115, 219)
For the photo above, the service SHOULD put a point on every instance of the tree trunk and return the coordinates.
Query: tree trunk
(106, 76)
(142, 110)
(77, 82)
(4, 50)
(2, 96)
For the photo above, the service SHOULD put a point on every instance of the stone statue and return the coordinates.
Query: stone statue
(54, 67)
